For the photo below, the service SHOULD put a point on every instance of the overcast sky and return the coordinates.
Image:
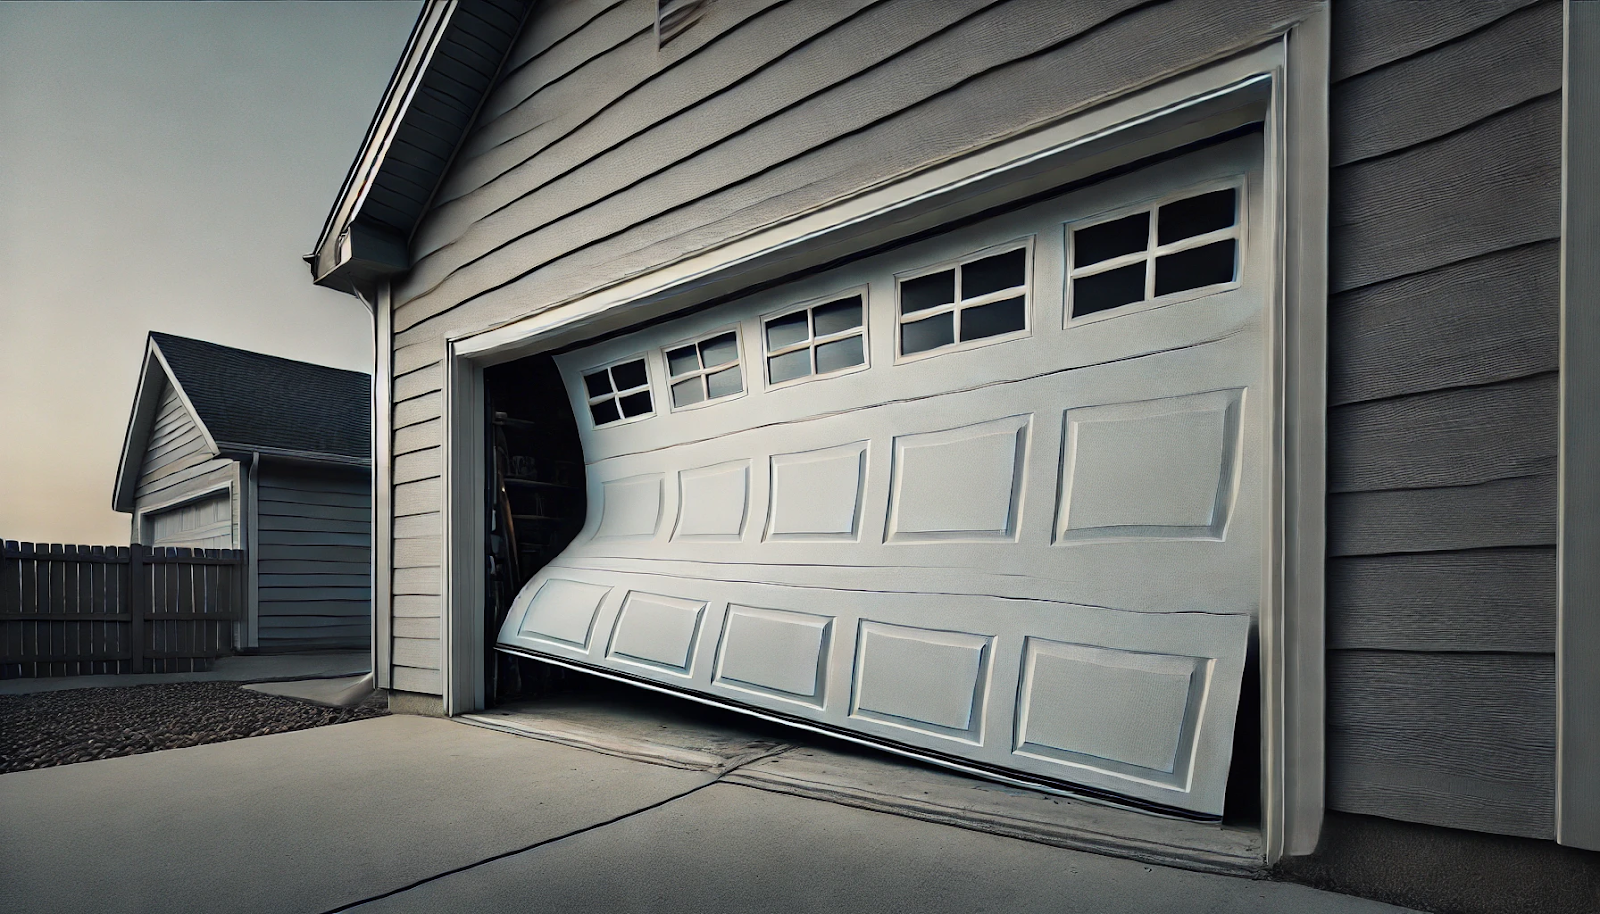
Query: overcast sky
(163, 166)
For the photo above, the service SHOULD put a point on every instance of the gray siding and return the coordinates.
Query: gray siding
(178, 465)
(1442, 412)
(313, 552)
(598, 156)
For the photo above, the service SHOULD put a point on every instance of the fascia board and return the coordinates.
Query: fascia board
(425, 36)
(241, 449)
(141, 416)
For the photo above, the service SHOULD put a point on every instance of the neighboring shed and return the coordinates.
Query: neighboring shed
(233, 449)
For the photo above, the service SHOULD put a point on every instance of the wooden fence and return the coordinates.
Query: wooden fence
(81, 610)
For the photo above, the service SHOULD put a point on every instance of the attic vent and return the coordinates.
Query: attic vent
(673, 18)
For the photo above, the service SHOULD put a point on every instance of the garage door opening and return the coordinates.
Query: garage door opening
(536, 505)
(997, 498)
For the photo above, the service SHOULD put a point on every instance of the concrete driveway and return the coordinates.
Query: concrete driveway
(418, 814)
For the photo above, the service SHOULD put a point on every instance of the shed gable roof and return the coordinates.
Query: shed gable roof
(247, 401)
(450, 62)
(251, 401)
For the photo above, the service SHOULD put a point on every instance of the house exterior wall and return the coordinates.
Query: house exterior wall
(598, 156)
(1445, 132)
(313, 552)
(178, 466)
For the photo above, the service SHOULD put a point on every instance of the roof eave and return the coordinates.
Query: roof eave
(338, 260)
(361, 256)
(283, 453)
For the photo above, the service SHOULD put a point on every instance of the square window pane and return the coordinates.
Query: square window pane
(839, 354)
(604, 411)
(1206, 265)
(928, 333)
(719, 350)
(636, 404)
(597, 384)
(682, 361)
(991, 274)
(1182, 219)
(786, 330)
(724, 383)
(686, 392)
(837, 316)
(629, 375)
(927, 291)
(790, 365)
(1111, 289)
(993, 319)
(1110, 239)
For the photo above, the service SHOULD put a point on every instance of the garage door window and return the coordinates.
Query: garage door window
(619, 392)
(1183, 245)
(816, 341)
(705, 369)
(980, 300)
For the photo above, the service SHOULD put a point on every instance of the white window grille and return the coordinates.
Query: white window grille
(817, 340)
(619, 392)
(703, 370)
(1185, 245)
(981, 299)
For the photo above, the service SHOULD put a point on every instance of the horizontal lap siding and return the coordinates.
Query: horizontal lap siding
(175, 452)
(598, 156)
(1442, 412)
(888, 90)
(313, 552)
(178, 467)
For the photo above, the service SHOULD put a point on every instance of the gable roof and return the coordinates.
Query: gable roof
(450, 62)
(248, 402)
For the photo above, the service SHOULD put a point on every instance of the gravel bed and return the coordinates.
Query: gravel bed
(80, 725)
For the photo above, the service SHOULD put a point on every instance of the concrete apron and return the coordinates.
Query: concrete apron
(409, 813)
(301, 821)
(639, 724)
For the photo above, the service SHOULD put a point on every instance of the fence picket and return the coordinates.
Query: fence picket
(75, 610)
(121, 596)
(28, 632)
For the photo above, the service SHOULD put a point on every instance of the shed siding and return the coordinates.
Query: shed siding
(313, 554)
(598, 156)
(178, 465)
(1442, 412)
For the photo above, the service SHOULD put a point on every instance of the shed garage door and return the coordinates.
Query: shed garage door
(203, 524)
(995, 498)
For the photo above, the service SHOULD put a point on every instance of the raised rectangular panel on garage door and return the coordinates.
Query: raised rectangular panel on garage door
(1027, 541)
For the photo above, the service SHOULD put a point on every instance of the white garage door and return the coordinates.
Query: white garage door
(996, 497)
(203, 524)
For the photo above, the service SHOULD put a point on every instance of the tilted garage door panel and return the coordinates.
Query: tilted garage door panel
(935, 500)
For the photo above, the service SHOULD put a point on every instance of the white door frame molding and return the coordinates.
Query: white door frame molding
(382, 488)
(1282, 83)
